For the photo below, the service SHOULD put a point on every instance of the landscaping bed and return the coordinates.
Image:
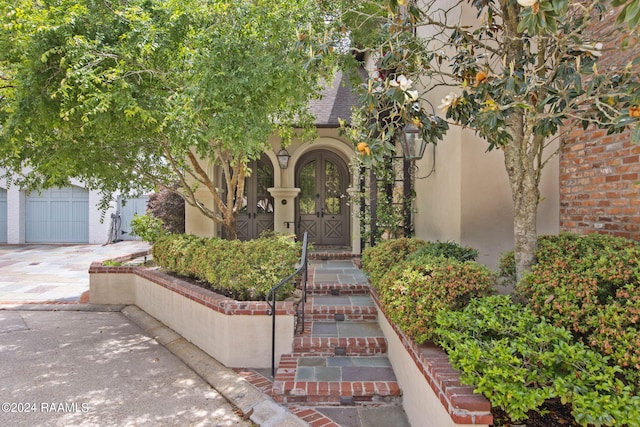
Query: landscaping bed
(564, 352)
(244, 271)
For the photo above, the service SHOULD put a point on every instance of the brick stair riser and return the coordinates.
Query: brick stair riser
(360, 392)
(327, 289)
(351, 317)
(335, 401)
(351, 314)
(309, 346)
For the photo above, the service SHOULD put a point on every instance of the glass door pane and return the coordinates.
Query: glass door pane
(308, 189)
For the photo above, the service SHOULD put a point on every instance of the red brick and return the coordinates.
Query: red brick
(470, 402)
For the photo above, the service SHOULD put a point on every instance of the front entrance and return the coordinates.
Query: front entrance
(256, 215)
(322, 208)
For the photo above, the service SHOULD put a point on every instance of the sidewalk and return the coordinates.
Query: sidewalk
(64, 362)
(63, 368)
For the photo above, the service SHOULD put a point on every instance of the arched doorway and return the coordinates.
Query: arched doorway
(322, 207)
(256, 215)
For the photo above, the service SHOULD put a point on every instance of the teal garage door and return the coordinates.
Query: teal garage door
(127, 209)
(58, 215)
(3, 215)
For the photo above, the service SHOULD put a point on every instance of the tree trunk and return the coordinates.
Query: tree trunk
(230, 226)
(524, 178)
(525, 233)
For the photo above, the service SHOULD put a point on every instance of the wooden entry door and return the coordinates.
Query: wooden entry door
(256, 215)
(322, 208)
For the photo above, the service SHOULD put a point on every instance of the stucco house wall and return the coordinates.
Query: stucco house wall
(467, 197)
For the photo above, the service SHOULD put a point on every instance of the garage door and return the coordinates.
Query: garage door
(3, 215)
(128, 208)
(58, 215)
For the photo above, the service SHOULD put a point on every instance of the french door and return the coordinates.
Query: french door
(256, 215)
(322, 206)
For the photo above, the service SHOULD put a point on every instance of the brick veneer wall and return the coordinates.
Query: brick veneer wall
(600, 184)
(600, 173)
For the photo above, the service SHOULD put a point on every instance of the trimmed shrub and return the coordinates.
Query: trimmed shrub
(245, 271)
(379, 259)
(447, 249)
(591, 286)
(518, 361)
(413, 292)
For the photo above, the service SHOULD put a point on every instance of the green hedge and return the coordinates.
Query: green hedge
(414, 291)
(379, 259)
(591, 286)
(245, 271)
(447, 249)
(518, 361)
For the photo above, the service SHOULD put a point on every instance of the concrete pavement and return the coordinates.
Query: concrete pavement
(64, 362)
(63, 368)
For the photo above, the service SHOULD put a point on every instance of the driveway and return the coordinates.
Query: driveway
(64, 362)
(60, 366)
(54, 273)
(79, 368)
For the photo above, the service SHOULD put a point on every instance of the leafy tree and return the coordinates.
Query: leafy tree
(138, 94)
(522, 74)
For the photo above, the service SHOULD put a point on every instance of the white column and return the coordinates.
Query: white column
(284, 210)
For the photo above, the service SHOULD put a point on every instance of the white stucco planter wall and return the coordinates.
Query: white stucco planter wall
(431, 393)
(236, 333)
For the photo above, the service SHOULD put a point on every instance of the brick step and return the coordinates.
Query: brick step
(338, 314)
(326, 346)
(338, 289)
(341, 338)
(305, 380)
(326, 255)
(349, 308)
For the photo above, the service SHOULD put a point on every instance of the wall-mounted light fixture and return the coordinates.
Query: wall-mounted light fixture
(283, 158)
(413, 145)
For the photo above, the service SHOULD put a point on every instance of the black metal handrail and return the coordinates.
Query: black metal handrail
(271, 299)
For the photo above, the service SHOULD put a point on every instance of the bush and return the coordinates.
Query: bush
(413, 292)
(379, 259)
(518, 361)
(591, 286)
(507, 268)
(147, 227)
(245, 271)
(448, 250)
(169, 207)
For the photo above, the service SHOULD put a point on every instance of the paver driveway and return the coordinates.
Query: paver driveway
(53, 273)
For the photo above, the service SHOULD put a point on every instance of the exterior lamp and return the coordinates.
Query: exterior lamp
(283, 158)
(413, 145)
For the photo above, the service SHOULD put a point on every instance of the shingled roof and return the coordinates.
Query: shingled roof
(335, 102)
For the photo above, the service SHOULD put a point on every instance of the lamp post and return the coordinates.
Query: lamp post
(283, 158)
(413, 145)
